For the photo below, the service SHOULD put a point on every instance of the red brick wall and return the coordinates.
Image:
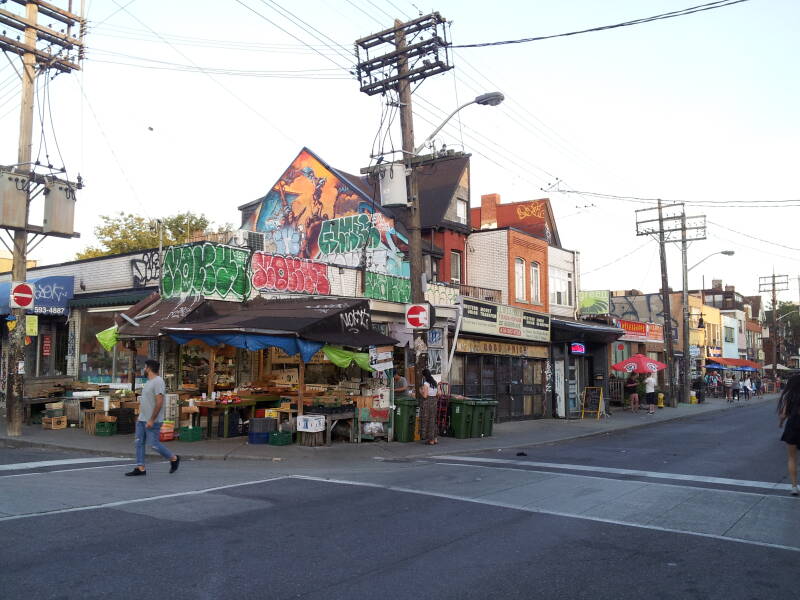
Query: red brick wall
(450, 240)
(529, 249)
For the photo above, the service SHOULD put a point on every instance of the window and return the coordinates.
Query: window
(519, 280)
(455, 266)
(730, 335)
(561, 292)
(462, 209)
(535, 284)
(431, 267)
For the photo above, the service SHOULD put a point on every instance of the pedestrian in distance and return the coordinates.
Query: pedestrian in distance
(151, 415)
(789, 412)
(650, 393)
(427, 413)
(737, 388)
(632, 389)
(747, 387)
(757, 385)
(727, 383)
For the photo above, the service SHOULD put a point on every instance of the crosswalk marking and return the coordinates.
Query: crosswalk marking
(56, 463)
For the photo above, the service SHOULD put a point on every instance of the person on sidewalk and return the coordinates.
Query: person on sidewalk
(789, 411)
(727, 383)
(632, 389)
(400, 384)
(737, 388)
(427, 413)
(650, 393)
(747, 387)
(151, 414)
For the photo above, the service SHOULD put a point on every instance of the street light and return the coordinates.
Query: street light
(725, 252)
(488, 99)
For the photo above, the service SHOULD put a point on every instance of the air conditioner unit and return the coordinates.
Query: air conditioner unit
(255, 240)
(393, 189)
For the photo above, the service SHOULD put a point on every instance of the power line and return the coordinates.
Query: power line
(777, 203)
(668, 15)
(616, 260)
(752, 237)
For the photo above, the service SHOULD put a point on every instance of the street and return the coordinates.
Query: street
(696, 508)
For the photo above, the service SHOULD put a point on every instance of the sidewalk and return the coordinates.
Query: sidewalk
(506, 435)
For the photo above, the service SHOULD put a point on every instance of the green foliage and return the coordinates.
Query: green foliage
(125, 232)
(791, 323)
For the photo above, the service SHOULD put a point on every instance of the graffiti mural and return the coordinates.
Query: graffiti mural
(387, 287)
(145, 270)
(277, 273)
(313, 213)
(210, 270)
(440, 294)
(647, 308)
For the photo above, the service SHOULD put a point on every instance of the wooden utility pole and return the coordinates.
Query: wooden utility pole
(774, 284)
(32, 58)
(665, 300)
(686, 386)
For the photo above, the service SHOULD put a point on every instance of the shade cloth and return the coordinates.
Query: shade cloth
(290, 345)
(344, 358)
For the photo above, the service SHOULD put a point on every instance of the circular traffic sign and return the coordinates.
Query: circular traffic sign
(22, 295)
(417, 316)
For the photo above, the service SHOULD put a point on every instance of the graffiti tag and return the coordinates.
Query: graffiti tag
(289, 274)
(51, 291)
(387, 287)
(348, 234)
(548, 377)
(441, 295)
(145, 269)
(355, 320)
(210, 270)
(530, 210)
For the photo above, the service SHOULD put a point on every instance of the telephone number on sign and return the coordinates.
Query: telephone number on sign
(48, 310)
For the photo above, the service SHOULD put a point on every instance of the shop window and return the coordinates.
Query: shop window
(536, 289)
(455, 266)
(98, 365)
(519, 280)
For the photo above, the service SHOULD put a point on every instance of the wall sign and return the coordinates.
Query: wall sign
(505, 321)
(577, 348)
(47, 345)
(467, 346)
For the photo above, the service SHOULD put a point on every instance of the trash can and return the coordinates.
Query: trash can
(405, 418)
(478, 418)
(489, 414)
(461, 415)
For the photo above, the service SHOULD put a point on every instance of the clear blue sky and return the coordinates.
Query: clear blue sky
(702, 107)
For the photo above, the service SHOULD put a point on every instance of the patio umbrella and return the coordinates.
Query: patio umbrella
(639, 363)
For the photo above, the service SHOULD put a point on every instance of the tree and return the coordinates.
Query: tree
(789, 325)
(125, 232)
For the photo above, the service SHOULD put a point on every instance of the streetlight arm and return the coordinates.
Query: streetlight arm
(421, 147)
(725, 252)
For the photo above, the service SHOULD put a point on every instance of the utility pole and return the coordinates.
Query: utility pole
(665, 228)
(774, 284)
(54, 55)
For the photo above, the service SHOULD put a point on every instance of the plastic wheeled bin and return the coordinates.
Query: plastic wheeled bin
(405, 418)
(462, 412)
(489, 414)
(478, 418)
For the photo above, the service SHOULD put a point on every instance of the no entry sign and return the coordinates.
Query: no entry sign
(418, 316)
(21, 295)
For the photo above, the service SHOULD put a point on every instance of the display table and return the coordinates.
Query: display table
(332, 420)
(223, 411)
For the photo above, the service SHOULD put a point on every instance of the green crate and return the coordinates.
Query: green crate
(105, 429)
(190, 434)
(280, 438)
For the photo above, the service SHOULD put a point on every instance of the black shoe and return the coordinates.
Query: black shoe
(136, 473)
(174, 464)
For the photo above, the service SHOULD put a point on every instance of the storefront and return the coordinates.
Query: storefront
(501, 354)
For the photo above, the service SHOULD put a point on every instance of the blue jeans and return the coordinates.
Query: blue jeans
(145, 435)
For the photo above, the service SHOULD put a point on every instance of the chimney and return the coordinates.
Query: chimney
(730, 288)
(716, 284)
(489, 204)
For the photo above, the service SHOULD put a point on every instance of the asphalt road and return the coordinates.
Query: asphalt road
(450, 527)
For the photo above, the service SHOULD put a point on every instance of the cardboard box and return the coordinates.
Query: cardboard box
(311, 423)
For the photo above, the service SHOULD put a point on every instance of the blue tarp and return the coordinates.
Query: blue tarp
(249, 341)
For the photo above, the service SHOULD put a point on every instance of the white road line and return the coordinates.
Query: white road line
(650, 474)
(137, 500)
(56, 463)
(68, 470)
(546, 512)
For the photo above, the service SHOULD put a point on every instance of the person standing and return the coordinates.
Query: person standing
(789, 412)
(632, 389)
(736, 389)
(151, 415)
(727, 383)
(400, 384)
(747, 386)
(650, 393)
(427, 413)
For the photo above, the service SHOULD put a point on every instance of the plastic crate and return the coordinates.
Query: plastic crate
(52, 413)
(255, 437)
(263, 425)
(191, 434)
(105, 429)
(280, 438)
(164, 436)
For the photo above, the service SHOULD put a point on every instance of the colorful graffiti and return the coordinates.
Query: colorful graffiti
(387, 287)
(210, 270)
(289, 274)
(313, 213)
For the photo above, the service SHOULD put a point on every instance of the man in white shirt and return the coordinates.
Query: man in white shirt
(650, 393)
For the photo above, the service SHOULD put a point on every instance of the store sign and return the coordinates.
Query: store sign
(577, 348)
(418, 316)
(636, 331)
(47, 345)
(467, 346)
(594, 302)
(51, 295)
(31, 325)
(505, 321)
(380, 358)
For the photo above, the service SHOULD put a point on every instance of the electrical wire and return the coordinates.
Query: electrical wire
(752, 237)
(668, 15)
(778, 203)
(616, 260)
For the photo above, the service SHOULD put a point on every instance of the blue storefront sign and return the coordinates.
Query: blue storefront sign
(51, 295)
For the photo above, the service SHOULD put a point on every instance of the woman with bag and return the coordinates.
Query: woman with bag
(789, 411)
(427, 413)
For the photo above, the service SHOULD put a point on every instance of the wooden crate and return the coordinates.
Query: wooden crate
(54, 423)
(90, 419)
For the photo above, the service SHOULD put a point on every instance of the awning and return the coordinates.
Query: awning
(736, 362)
(148, 317)
(568, 331)
(118, 298)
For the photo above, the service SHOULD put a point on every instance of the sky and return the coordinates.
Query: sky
(167, 116)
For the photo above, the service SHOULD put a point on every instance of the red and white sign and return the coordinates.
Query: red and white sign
(47, 345)
(418, 316)
(21, 295)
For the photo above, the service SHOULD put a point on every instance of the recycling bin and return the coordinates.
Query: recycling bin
(405, 418)
(461, 415)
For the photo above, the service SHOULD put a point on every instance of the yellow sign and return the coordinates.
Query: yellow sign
(500, 348)
(32, 325)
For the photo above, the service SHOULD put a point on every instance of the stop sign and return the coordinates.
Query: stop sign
(418, 316)
(21, 295)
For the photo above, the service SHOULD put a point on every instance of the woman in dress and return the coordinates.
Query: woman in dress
(632, 388)
(789, 411)
(427, 413)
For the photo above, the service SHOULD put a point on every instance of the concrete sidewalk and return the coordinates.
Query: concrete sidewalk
(506, 435)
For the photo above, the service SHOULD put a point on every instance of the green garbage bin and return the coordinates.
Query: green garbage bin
(478, 417)
(489, 415)
(461, 415)
(405, 418)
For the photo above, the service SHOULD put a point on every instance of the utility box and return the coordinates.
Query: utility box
(393, 188)
(13, 199)
(59, 207)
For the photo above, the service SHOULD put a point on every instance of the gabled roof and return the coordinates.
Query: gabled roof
(524, 215)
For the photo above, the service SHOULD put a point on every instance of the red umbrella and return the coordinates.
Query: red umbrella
(639, 363)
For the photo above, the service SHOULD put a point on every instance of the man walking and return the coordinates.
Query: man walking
(151, 414)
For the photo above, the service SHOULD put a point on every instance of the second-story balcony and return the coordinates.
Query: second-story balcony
(481, 293)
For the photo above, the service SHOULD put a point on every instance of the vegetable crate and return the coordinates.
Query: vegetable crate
(54, 423)
(280, 438)
(105, 428)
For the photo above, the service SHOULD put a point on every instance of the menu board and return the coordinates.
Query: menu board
(504, 321)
